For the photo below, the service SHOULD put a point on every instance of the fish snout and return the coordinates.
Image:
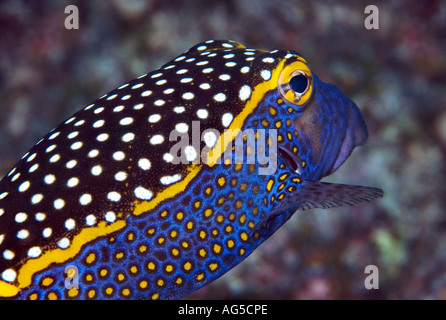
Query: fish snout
(356, 134)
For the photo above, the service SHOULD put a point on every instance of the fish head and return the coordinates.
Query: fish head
(327, 125)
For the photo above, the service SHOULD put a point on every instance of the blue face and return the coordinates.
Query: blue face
(329, 128)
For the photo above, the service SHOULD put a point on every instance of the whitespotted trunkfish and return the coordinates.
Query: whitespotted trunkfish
(167, 182)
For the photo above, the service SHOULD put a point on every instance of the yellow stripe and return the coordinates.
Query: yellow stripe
(32, 266)
(8, 290)
(171, 191)
(257, 95)
(215, 153)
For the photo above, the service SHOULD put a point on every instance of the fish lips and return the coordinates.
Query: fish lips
(356, 135)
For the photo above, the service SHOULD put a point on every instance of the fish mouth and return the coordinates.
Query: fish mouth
(345, 150)
(291, 159)
(355, 136)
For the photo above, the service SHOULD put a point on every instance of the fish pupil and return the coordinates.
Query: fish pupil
(299, 83)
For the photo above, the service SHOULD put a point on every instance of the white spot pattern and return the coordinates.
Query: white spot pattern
(157, 139)
(245, 92)
(166, 180)
(69, 165)
(114, 196)
(142, 193)
(227, 119)
(202, 113)
(154, 118)
(144, 164)
(220, 97)
(78, 152)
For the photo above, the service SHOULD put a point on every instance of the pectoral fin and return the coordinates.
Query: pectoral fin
(311, 195)
(315, 194)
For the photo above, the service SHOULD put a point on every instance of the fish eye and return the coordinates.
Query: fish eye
(299, 83)
(296, 83)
